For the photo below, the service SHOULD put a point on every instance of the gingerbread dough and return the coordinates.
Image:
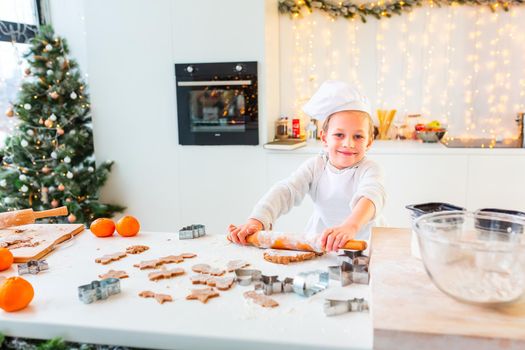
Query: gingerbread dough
(106, 259)
(136, 249)
(287, 256)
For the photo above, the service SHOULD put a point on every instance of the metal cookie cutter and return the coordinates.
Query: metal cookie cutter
(98, 290)
(192, 231)
(33, 267)
(271, 285)
(334, 307)
(310, 283)
(246, 276)
(353, 257)
(353, 268)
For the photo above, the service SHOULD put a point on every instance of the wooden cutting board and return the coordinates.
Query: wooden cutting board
(409, 312)
(47, 236)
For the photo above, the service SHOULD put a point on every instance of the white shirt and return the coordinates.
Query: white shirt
(334, 193)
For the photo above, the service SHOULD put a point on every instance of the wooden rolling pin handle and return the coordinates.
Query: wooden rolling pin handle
(355, 245)
(60, 211)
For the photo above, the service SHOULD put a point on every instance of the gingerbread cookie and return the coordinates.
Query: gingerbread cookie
(114, 274)
(200, 278)
(106, 259)
(202, 294)
(287, 256)
(222, 283)
(162, 274)
(136, 249)
(161, 298)
(148, 264)
(207, 269)
(151, 264)
(236, 264)
(260, 299)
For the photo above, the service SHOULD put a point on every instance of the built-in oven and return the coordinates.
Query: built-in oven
(217, 103)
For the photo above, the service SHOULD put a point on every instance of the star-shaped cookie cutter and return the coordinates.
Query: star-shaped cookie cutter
(245, 277)
(272, 285)
(33, 267)
(98, 290)
(353, 268)
(334, 307)
(192, 231)
(310, 283)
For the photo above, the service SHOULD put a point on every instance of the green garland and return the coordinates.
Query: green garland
(350, 10)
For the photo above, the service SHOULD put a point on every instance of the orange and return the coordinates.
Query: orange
(15, 294)
(128, 226)
(102, 227)
(6, 259)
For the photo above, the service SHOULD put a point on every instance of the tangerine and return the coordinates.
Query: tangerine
(128, 226)
(102, 227)
(6, 259)
(15, 294)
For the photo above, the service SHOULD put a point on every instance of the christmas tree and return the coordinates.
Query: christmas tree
(49, 161)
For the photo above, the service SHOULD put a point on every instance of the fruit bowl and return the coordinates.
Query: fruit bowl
(430, 135)
(473, 262)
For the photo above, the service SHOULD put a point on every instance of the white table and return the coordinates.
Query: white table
(225, 322)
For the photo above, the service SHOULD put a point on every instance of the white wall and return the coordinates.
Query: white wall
(129, 49)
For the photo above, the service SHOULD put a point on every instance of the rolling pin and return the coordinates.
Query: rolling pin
(28, 216)
(290, 241)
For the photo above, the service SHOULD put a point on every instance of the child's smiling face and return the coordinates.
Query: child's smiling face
(347, 138)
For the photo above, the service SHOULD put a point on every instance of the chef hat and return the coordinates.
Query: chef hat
(336, 96)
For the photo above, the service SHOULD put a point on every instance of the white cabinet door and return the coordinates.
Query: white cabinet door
(416, 179)
(219, 185)
(496, 182)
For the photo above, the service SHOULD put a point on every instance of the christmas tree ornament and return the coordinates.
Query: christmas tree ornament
(54, 95)
(27, 106)
(61, 187)
(71, 218)
(45, 197)
(3, 183)
(30, 132)
(45, 169)
(91, 169)
(49, 64)
(22, 177)
(24, 188)
(24, 143)
(69, 175)
(49, 72)
(67, 160)
(60, 132)
(8, 200)
(54, 203)
(73, 96)
(68, 200)
(49, 47)
(48, 123)
(44, 190)
(27, 71)
(41, 121)
(51, 189)
(53, 117)
(54, 155)
(73, 132)
(9, 111)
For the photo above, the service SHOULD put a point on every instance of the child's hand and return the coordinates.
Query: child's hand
(238, 234)
(335, 238)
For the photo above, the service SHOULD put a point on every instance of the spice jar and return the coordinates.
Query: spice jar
(281, 128)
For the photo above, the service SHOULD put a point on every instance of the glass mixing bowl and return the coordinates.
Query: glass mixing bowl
(477, 258)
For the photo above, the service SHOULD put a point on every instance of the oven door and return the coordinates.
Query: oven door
(217, 112)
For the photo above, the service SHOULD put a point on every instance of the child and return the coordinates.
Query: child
(346, 187)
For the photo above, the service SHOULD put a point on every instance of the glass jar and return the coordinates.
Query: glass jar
(411, 121)
(281, 128)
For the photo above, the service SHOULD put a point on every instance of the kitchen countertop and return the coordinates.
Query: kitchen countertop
(226, 322)
(409, 312)
(411, 147)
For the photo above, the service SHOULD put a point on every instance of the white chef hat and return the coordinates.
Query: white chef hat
(336, 96)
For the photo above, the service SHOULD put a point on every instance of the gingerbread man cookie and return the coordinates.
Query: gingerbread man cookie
(207, 269)
(114, 274)
(161, 298)
(106, 259)
(236, 264)
(222, 283)
(162, 274)
(260, 299)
